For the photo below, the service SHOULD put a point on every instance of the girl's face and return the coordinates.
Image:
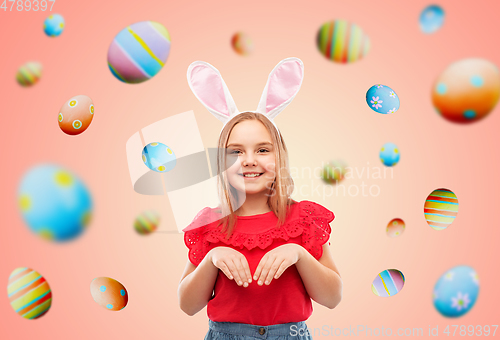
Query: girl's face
(252, 144)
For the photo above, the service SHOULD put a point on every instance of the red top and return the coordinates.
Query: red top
(285, 299)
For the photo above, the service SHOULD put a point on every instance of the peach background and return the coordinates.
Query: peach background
(329, 119)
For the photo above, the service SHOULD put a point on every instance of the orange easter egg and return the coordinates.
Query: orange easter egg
(109, 293)
(76, 115)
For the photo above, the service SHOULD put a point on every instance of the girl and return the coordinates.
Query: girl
(258, 258)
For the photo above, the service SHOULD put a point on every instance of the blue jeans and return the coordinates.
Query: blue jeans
(242, 331)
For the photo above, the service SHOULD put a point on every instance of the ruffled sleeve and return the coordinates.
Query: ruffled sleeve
(195, 235)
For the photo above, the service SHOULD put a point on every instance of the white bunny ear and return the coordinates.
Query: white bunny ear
(208, 86)
(282, 85)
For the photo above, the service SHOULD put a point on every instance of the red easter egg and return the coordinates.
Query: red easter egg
(76, 115)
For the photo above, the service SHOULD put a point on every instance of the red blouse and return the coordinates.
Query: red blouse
(285, 299)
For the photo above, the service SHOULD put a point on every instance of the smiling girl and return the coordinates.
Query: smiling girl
(258, 259)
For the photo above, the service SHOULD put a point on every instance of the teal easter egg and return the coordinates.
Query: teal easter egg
(159, 157)
(388, 283)
(389, 154)
(53, 26)
(139, 52)
(54, 203)
(456, 291)
(431, 19)
(382, 99)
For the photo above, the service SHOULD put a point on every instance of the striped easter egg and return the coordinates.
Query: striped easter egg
(29, 73)
(29, 293)
(147, 222)
(441, 208)
(342, 42)
(139, 52)
(388, 283)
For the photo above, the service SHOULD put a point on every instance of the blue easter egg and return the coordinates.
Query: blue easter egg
(54, 203)
(382, 99)
(431, 19)
(53, 25)
(159, 157)
(389, 154)
(456, 291)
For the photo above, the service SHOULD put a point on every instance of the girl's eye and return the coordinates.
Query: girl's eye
(264, 150)
(234, 151)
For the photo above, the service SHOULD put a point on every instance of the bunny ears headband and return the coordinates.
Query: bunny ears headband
(282, 86)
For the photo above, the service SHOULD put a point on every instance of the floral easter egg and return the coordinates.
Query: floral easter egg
(76, 115)
(342, 42)
(334, 172)
(55, 204)
(456, 291)
(389, 154)
(395, 227)
(53, 26)
(29, 293)
(431, 19)
(147, 222)
(467, 90)
(29, 74)
(109, 293)
(388, 283)
(159, 157)
(382, 99)
(441, 208)
(139, 52)
(241, 43)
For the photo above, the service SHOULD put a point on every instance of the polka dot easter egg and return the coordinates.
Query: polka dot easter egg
(455, 293)
(382, 99)
(389, 154)
(139, 52)
(342, 42)
(441, 209)
(54, 203)
(29, 293)
(29, 74)
(395, 227)
(431, 19)
(334, 172)
(242, 44)
(109, 293)
(388, 283)
(159, 157)
(467, 90)
(76, 115)
(147, 222)
(53, 26)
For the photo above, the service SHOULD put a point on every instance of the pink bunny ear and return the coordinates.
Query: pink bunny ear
(282, 86)
(208, 86)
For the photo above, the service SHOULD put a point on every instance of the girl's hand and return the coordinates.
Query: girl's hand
(232, 263)
(276, 261)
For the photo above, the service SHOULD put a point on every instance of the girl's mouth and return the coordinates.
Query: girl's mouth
(253, 176)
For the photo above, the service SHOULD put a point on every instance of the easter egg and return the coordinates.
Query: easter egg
(441, 208)
(389, 154)
(147, 222)
(76, 115)
(388, 283)
(395, 227)
(431, 19)
(109, 293)
(29, 73)
(158, 157)
(241, 43)
(53, 26)
(342, 42)
(382, 99)
(139, 52)
(334, 172)
(29, 293)
(467, 90)
(456, 291)
(54, 203)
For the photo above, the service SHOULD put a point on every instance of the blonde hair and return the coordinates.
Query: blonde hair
(279, 198)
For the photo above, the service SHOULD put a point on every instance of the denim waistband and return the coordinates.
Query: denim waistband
(261, 332)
